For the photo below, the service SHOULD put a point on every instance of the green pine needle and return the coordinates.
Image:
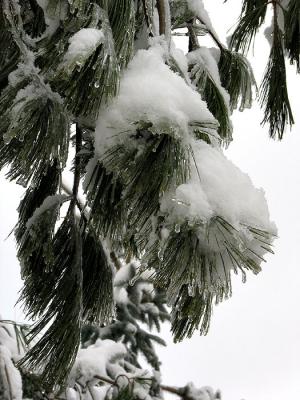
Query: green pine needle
(180, 14)
(237, 78)
(100, 69)
(34, 197)
(55, 352)
(191, 312)
(121, 15)
(55, 7)
(214, 98)
(9, 55)
(35, 132)
(273, 91)
(146, 170)
(33, 17)
(104, 195)
(97, 284)
(292, 32)
(195, 273)
(252, 17)
(36, 254)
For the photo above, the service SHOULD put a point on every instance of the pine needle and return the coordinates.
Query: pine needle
(273, 90)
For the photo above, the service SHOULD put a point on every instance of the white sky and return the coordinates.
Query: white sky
(252, 351)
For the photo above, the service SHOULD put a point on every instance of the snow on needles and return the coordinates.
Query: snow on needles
(217, 188)
(106, 359)
(83, 43)
(197, 7)
(150, 91)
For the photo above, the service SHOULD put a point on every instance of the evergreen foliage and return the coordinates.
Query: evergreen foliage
(284, 33)
(157, 222)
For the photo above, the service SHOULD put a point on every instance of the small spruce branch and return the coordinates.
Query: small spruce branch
(274, 92)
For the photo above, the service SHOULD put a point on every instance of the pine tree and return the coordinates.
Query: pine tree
(152, 192)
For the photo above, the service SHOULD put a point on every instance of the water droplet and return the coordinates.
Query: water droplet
(177, 228)
(160, 255)
(97, 84)
(22, 181)
(78, 65)
(132, 282)
(192, 289)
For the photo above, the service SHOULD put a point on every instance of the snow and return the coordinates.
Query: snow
(48, 203)
(204, 393)
(218, 187)
(197, 7)
(26, 69)
(9, 352)
(120, 295)
(10, 375)
(83, 43)
(106, 359)
(96, 359)
(150, 91)
(52, 21)
(124, 274)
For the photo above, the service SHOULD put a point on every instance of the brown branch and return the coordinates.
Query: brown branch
(160, 4)
(172, 390)
(214, 37)
(77, 162)
(166, 388)
(193, 38)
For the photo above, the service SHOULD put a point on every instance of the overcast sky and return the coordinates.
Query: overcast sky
(252, 351)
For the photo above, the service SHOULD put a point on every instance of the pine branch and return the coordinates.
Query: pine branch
(35, 132)
(212, 93)
(97, 284)
(237, 78)
(100, 68)
(145, 174)
(195, 272)
(212, 34)
(274, 94)
(252, 17)
(55, 352)
(121, 15)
